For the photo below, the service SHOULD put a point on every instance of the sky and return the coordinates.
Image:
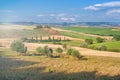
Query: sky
(54, 11)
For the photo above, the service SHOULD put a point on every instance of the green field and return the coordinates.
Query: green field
(94, 30)
(73, 43)
(112, 45)
(15, 67)
(76, 35)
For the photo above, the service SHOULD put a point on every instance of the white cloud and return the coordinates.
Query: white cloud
(58, 16)
(52, 15)
(91, 8)
(103, 5)
(67, 19)
(114, 11)
(6, 11)
(61, 14)
(40, 15)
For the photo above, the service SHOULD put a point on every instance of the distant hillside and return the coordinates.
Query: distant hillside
(101, 24)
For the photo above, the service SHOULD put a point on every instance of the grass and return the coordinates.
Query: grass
(76, 35)
(39, 68)
(110, 45)
(72, 43)
(94, 30)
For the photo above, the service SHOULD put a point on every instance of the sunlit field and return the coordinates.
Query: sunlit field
(15, 67)
(59, 39)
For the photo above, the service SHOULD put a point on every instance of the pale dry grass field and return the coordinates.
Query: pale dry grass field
(14, 26)
(84, 51)
(95, 65)
(15, 67)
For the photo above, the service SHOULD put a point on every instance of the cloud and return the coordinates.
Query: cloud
(103, 5)
(61, 14)
(52, 15)
(67, 19)
(91, 8)
(57, 17)
(114, 11)
(40, 15)
(6, 11)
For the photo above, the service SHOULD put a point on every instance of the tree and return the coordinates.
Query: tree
(59, 50)
(24, 39)
(47, 51)
(25, 50)
(84, 45)
(100, 40)
(40, 50)
(73, 52)
(38, 27)
(18, 46)
(103, 48)
(53, 38)
(89, 41)
(49, 38)
(64, 46)
(69, 51)
(41, 38)
(116, 37)
(36, 38)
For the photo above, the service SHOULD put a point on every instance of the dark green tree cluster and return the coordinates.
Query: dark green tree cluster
(116, 37)
(89, 41)
(100, 40)
(74, 53)
(45, 51)
(18, 46)
(59, 50)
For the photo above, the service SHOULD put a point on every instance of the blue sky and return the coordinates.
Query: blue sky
(60, 10)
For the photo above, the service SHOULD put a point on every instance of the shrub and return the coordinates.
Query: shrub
(84, 45)
(116, 37)
(59, 50)
(1, 45)
(69, 51)
(89, 41)
(91, 47)
(24, 39)
(97, 48)
(47, 51)
(40, 50)
(114, 50)
(18, 46)
(73, 52)
(65, 46)
(100, 40)
(103, 48)
(38, 27)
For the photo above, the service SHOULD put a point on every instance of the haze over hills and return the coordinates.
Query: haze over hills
(101, 24)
